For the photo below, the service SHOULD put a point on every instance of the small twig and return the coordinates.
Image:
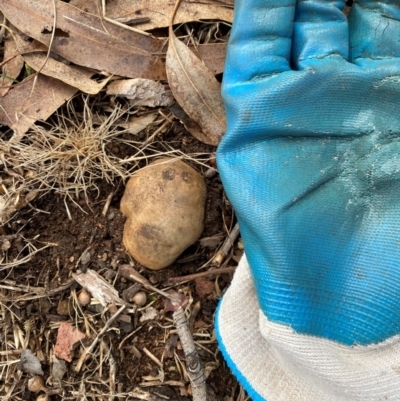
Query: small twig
(129, 336)
(194, 312)
(175, 303)
(113, 371)
(96, 340)
(193, 362)
(155, 133)
(153, 357)
(190, 277)
(227, 245)
(108, 203)
(129, 272)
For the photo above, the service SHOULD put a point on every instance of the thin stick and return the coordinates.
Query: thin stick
(194, 367)
(113, 371)
(153, 357)
(96, 340)
(227, 245)
(190, 277)
(193, 362)
(107, 204)
(194, 312)
(130, 273)
(155, 133)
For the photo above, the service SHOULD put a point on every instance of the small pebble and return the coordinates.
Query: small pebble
(210, 173)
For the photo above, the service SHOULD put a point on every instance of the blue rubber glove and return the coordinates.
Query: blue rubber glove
(311, 164)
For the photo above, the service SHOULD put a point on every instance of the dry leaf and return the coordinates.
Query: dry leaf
(22, 106)
(12, 45)
(213, 56)
(137, 124)
(156, 13)
(196, 89)
(124, 62)
(143, 92)
(67, 337)
(68, 74)
(191, 126)
(86, 39)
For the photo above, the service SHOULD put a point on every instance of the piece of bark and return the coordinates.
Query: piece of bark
(194, 366)
(141, 92)
(98, 287)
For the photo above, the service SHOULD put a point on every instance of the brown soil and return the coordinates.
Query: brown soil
(91, 240)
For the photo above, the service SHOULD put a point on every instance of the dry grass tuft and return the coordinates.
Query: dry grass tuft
(68, 157)
(72, 156)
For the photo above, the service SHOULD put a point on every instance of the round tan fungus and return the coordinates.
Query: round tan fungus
(164, 204)
(84, 297)
(140, 298)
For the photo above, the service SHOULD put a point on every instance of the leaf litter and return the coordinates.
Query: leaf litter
(195, 88)
(66, 149)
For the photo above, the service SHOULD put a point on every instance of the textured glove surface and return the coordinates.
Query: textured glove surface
(311, 162)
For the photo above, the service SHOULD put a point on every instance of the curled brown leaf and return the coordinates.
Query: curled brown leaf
(196, 89)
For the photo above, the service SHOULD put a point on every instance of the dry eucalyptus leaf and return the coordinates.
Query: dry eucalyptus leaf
(29, 363)
(157, 13)
(137, 124)
(142, 92)
(213, 56)
(26, 104)
(13, 45)
(67, 74)
(196, 89)
(86, 39)
(191, 126)
(164, 204)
